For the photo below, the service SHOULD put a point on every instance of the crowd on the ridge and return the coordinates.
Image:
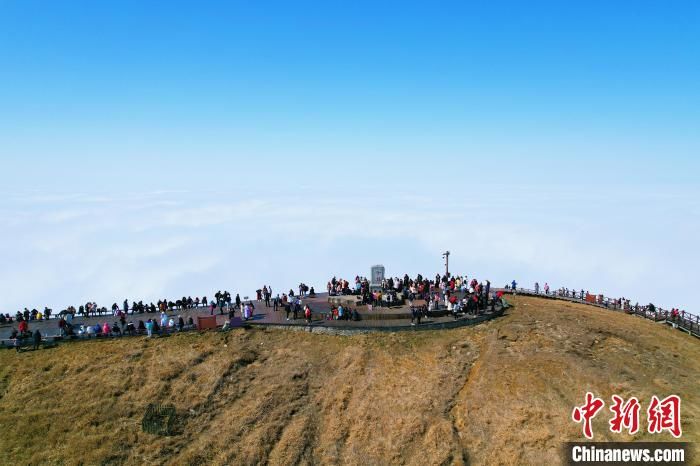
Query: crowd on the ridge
(441, 291)
(428, 295)
(455, 295)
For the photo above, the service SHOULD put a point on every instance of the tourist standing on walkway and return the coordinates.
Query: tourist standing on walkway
(266, 293)
(416, 315)
(37, 339)
(297, 308)
(23, 327)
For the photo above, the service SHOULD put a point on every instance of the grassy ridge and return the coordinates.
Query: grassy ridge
(498, 392)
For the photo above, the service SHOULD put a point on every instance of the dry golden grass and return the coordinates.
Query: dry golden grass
(499, 393)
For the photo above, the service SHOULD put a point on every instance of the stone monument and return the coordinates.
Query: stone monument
(377, 277)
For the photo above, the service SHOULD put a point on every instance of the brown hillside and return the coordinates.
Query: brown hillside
(501, 392)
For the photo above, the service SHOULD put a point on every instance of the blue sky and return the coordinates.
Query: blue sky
(550, 141)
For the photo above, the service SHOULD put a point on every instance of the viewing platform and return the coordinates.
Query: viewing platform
(370, 318)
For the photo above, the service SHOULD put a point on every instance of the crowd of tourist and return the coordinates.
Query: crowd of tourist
(437, 294)
(456, 294)
(442, 295)
(119, 328)
(91, 309)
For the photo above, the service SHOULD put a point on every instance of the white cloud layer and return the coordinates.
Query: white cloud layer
(66, 249)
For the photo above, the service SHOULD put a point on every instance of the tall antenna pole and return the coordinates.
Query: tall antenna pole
(446, 255)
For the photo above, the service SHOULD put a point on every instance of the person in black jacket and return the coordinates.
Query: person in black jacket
(37, 339)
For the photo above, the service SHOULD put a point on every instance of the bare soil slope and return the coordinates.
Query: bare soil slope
(498, 393)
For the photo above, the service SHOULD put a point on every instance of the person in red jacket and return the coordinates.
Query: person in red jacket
(23, 327)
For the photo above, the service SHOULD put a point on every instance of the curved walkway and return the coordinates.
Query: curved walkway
(685, 321)
(380, 319)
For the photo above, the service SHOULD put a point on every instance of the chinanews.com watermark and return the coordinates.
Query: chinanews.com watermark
(619, 453)
(662, 416)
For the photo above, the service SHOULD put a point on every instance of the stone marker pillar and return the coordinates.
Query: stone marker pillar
(376, 276)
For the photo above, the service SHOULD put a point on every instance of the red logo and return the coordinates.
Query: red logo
(587, 412)
(662, 415)
(626, 415)
(665, 415)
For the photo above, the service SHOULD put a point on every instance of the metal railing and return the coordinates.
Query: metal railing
(682, 320)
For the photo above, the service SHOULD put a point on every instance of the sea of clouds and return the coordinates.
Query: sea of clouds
(68, 248)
